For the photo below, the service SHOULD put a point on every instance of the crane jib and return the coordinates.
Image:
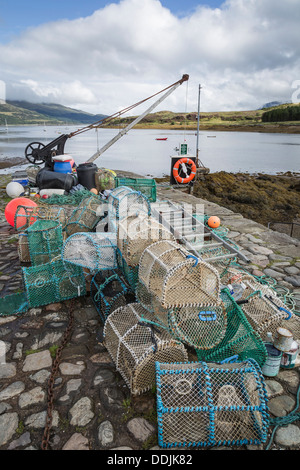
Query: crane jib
(38, 153)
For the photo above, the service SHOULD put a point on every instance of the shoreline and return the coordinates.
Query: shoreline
(272, 128)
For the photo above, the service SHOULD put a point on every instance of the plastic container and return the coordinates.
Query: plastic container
(272, 364)
(47, 179)
(147, 186)
(63, 167)
(86, 175)
(288, 359)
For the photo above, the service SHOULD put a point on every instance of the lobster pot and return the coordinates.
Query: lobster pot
(26, 216)
(201, 326)
(102, 226)
(45, 241)
(176, 277)
(94, 251)
(266, 312)
(109, 292)
(23, 248)
(87, 215)
(13, 304)
(240, 338)
(210, 253)
(135, 234)
(53, 282)
(124, 202)
(135, 345)
(130, 273)
(209, 404)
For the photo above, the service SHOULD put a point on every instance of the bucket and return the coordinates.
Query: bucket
(63, 167)
(86, 175)
(288, 359)
(283, 339)
(272, 365)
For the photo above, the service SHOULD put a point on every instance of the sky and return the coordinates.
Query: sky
(102, 56)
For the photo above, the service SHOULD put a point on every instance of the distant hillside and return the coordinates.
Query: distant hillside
(18, 116)
(286, 112)
(24, 112)
(246, 121)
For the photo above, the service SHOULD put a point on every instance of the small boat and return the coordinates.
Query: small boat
(161, 138)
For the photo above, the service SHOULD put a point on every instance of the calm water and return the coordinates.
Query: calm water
(138, 151)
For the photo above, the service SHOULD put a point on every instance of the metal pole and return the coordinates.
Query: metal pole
(198, 123)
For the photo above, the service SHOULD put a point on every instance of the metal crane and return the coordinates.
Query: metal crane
(38, 153)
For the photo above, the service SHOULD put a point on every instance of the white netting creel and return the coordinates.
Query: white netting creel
(135, 233)
(94, 251)
(135, 344)
(176, 277)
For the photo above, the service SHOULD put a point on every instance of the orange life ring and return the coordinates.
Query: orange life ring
(176, 167)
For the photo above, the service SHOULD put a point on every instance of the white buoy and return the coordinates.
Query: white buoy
(14, 189)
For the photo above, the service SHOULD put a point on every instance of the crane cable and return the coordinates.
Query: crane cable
(99, 123)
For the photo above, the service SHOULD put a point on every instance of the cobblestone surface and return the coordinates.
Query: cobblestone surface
(93, 407)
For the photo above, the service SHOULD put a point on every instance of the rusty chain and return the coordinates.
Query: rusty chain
(55, 365)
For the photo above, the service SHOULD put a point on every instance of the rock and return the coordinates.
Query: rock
(253, 239)
(46, 340)
(273, 273)
(24, 440)
(273, 388)
(53, 307)
(67, 368)
(287, 436)
(104, 375)
(4, 407)
(289, 250)
(294, 281)
(292, 270)
(34, 396)
(75, 351)
(259, 250)
(290, 378)
(123, 448)
(40, 376)
(19, 349)
(37, 361)
(38, 420)
(81, 413)
(275, 257)
(77, 442)
(106, 433)
(4, 331)
(8, 425)
(140, 428)
(233, 234)
(12, 390)
(101, 358)
(257, 273)
(281, 406)
(7, 371)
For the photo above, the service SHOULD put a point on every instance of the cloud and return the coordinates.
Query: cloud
(244, 54)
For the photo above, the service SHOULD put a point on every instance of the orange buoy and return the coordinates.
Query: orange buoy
(12, 206)
(94, 190)
(213, 222)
